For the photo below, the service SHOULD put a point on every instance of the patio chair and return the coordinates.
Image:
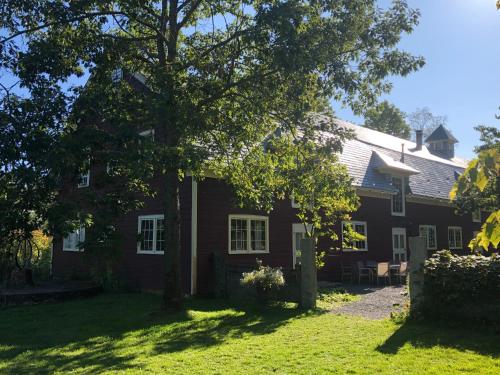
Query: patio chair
(363, 272)
(383, 272)
(347, 272)
(402, 271)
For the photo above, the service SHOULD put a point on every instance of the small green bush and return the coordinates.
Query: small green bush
(265, 279)
(462, 286)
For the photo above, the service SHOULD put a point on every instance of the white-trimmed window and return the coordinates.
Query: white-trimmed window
(151, 230)
(455, 237)
(429, 232)
(84, 179)
(248, 234)
(398, 199)
(359, 227)
(73, 240)
(294, 203)
(476, 216)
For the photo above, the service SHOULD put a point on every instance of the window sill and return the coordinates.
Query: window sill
(82, 186)
(248, 252)
(74, 250)
(398, 214)
(354, 250)
(456, 248)
(150, 252)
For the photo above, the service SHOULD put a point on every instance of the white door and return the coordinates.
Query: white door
(399, 244)
(298, 233)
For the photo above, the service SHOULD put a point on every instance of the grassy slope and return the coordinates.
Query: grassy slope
(120, 332)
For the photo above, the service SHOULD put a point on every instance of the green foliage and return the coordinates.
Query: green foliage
(454, 283)
(389, 119)
(477, 189)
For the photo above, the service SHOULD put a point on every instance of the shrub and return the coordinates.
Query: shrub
(265, 279)
(462, 286)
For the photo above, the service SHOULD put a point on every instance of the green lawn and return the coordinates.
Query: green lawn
(127, 333)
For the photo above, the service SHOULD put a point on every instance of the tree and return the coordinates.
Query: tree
(387, 118)
(40, 147)
(423, 119)
(477, 188)
(221, 75)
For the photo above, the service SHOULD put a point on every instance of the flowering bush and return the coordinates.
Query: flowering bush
(265, 279)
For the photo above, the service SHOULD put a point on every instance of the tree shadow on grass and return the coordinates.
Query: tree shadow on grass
(92, 333)
(242, 319)
(425, 334)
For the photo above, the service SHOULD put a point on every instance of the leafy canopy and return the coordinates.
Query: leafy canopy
(477, 188)
(387, 118)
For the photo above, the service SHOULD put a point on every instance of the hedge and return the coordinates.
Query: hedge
(462, 286)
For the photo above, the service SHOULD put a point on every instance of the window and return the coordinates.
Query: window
(72, 241)
(151, 231)
(476, 216)
(455, 237)
(398, 201)
(84, 179)
(429, 232)
(294, 204)
(358, 227)
(248, 234)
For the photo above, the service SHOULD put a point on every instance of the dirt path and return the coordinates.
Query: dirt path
(375, 302)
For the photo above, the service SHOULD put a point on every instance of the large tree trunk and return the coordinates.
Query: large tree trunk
(172, 293)
(169, 128)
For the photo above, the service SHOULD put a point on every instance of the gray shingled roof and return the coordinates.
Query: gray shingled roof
(436, 177)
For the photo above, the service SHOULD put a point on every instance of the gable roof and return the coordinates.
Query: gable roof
(441, 134)
(428, 175)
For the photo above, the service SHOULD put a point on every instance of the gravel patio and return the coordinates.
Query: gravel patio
(375, 303)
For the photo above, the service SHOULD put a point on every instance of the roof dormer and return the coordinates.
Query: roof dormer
(442, 143)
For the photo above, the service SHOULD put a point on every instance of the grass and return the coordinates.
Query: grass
(127, 333)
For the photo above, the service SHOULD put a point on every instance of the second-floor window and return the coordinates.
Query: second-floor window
(398, 199)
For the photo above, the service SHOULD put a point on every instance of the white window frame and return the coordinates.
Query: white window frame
(403, 200)
(294, 204)
(248, 219)
(476, 216)
(455, 247)
(427, 227)
(353, 223)
(155, 219)
(85, 177)
(73, 245)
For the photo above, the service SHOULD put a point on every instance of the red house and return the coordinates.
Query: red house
(403, 187)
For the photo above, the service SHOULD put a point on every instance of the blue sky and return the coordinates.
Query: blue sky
(460, 40)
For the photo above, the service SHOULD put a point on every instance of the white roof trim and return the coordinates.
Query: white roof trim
(389, 165)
